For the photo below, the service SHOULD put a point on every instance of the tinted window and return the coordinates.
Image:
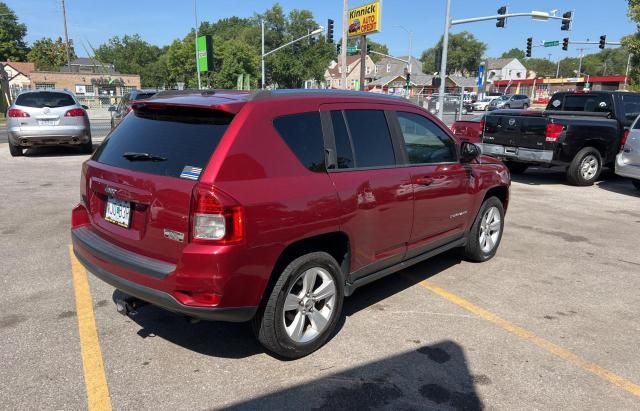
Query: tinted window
(592, 103)
(631, 106)
(183, 137)
(303, 135)
(45, 99)
(142, 96)
(424, 141)
(371, 138)
(344, 152)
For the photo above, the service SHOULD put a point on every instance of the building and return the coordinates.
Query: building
(18, 74)
(541, 89)
(333, 74)
(505, 69)
(393, 67)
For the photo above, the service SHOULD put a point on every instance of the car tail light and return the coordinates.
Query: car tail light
(216, 218)
(623, 141)
(129, 109)
(14, 112)
(75, 112)
(553, 131)
(481, 126)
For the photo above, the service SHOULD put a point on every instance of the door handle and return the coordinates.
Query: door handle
(425, 181)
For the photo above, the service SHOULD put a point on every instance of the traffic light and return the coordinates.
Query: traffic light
(603, 41)
(338, 48)
(330, 31)
(368, 48)
(567, 19)
(529, 46)
(501, 20)
(408, 79)
(565, 43)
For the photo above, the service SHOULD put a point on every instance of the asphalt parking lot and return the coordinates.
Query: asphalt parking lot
(550, 323)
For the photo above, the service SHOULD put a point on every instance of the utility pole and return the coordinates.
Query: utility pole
(626, 76)
(195, 14)
(345, 32)
(558, 69)
(262, 55)
(363, 60)
(581, 50)
(443, 63)
(66, 35)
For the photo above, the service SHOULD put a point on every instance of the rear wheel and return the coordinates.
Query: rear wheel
(636, 183)
(16, 151)
(486, 233)
(87, 147)
(585, 167)
(516, 168)
(304, 307)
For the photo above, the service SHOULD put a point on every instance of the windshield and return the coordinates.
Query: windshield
(504, 97)
(42, 99)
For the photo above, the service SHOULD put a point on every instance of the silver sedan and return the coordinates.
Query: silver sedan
(47, 117)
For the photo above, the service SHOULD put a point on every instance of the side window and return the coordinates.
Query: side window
(303, 135)
(371, 138)
(344, 151)
(631, 106)
(424, 141)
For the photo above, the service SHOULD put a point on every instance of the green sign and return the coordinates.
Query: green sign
(552, 43)
(205, 53)
(352, 50)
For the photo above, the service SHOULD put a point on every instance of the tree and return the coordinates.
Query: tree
(50, 55)
(541, 67)
(464, 54)
(131, 55)
(12, 33)
(632, 43)
(514, 53)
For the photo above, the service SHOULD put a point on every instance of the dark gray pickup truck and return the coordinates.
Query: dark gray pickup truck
(579, 130)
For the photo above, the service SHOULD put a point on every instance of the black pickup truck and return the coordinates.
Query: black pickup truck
(581, 131)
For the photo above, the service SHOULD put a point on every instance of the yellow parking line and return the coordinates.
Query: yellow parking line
(540, 342)
(94, 377)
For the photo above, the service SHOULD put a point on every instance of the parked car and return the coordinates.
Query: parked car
(46, 118)
(124, 105)
(581, 131)
(469, 130)
(628, 160)
(482, 105)
(272, 207)
(509, 101)
(451, 104)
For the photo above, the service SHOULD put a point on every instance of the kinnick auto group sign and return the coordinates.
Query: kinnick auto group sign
(364, 19)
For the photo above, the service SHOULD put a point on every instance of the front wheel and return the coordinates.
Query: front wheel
(304, 307)
(636, 183)
(486, 233)
(585, 167)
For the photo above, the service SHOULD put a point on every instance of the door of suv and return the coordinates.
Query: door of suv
(375, 194)
(440, 183)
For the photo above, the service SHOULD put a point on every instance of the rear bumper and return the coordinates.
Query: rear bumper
(525, 155)
(625, 169)
(97, 255)
(71, 135)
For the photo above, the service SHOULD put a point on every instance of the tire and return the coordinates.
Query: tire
(87, 147)
(480, 246)
(636, 183)
(516, 168)
(525, 106)
(506, 106)
(276, 328)
(585, 167)
(464, 111)
(16, 151)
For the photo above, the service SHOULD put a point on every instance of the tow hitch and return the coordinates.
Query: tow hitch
(127, 305)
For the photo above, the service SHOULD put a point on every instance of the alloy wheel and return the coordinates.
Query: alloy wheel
(490, 227)
(589, 167)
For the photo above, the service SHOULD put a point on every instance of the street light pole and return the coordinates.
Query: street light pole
(410, 33)
(195, 15)
(66, 35)
(626, 76)
(443, 63)
(345, 32)
(262, 55)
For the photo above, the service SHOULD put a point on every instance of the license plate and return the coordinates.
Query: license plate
(47, 122)
(118, 212)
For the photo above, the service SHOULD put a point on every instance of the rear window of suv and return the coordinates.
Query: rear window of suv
(42, 99)
(591, 103)
(178, 139)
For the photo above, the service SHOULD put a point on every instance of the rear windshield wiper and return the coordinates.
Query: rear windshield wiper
(142, 157)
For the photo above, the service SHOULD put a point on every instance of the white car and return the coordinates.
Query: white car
(481, 105)
(628, 160)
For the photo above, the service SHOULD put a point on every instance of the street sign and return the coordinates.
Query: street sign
(365, 19)
(552, 43)
(352, 50)
(205, 53)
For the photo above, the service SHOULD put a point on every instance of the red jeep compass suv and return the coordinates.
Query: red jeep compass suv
(274, 206)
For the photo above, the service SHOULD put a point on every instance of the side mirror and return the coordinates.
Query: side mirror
(468, 152)
(112, 108)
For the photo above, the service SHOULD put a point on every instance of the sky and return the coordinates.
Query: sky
(161, 21)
